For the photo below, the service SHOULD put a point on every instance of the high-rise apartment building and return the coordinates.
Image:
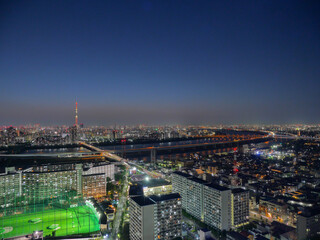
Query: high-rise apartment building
(191, 191)
(94, 179)
(141, 211)
(215, 205)
(195, 203)
(239, 207)
(102, 168)
(10, 187)
(308, 225)
(36, 184)
(168, 215)
(179, 183)
(155, 217)
(94, 185)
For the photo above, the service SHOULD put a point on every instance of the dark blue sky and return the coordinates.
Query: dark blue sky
(159, 61)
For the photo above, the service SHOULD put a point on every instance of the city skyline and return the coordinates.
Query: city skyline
(179, 62)
(160, 119)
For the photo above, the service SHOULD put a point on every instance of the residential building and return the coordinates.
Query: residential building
(37, 183)
(308, 225)
(168, 215)
(239, 207)
(217, 206)
(155, 217)
(211, 203)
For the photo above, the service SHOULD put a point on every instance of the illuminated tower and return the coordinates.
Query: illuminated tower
(74, 129)
(76, 118)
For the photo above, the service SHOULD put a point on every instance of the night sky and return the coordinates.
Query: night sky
(153, 62)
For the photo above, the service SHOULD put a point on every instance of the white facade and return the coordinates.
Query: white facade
(107, 169)
(191, 191)
(210, 203)
(217, 206)
(141, 220)
(155, 217)
(168, 215)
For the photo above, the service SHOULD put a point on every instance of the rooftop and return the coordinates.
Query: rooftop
(310, 212)
(166, 197)
(236, 235)
(182, 174)
(198, 180)
(135, 190)
(190, 177)
(238, 190)
(153, 182)
(217, 187)
(142, 201)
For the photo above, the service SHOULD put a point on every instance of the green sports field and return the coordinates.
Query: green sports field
(63, 221)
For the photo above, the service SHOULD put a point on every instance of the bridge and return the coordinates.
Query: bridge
(175, 149)
(293, 137)
(185, 148)
(105, 153)
(114, 154)
(63, 155)
(111, 155)
(121, 155)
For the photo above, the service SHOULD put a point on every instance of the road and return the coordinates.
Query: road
(151, 174)
(123, 197)
(121, 207)
(255, 215)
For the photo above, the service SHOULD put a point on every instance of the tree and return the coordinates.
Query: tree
(125, 232)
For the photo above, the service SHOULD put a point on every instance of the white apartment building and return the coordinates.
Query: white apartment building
(155, 217)
(215, 205)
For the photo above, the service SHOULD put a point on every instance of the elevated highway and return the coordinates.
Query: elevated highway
(96, 152)
(110, 155)
(63, 155)
(105, 153)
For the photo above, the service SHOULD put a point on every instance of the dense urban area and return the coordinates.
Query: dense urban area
(159, 120)
(160, 182)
